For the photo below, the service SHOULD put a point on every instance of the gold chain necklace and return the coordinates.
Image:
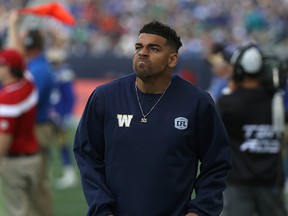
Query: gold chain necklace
(144, 118)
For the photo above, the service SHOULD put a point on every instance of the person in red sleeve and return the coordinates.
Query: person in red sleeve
(18, 145)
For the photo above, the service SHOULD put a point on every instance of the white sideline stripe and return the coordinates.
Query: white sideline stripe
(17, 109)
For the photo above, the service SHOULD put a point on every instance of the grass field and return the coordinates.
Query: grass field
(67, 202)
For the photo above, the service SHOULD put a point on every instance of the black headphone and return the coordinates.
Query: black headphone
(239, 69)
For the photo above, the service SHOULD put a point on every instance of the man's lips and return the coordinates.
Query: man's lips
(141, 61)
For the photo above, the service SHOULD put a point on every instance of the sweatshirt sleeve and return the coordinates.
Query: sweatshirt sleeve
(214, 153)
(89, 151)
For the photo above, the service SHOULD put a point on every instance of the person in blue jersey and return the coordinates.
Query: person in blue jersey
(32, 45)
(42, 73)
(142, 137)
(63, 100)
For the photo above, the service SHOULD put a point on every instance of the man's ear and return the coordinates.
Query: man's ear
(173, 60)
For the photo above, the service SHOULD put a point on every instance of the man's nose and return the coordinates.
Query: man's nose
(144, 52)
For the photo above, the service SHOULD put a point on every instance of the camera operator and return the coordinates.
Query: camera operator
(253, 115)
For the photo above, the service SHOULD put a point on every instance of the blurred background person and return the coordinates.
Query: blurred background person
(63, 101)
(221, 68)
(19, 149)
(256, 181)
(32, 46)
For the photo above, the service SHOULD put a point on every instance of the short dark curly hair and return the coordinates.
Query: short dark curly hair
(163, 30)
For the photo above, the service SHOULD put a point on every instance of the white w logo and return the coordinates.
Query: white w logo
(124, 120)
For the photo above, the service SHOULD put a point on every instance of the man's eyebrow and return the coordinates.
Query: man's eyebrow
(149, 45)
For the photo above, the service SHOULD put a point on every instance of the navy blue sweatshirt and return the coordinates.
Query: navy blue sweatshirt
(130, 168)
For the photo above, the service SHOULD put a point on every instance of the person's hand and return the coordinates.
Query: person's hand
(13, 18)
(191, 214)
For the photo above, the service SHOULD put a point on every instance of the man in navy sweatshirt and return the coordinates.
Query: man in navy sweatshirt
(141, 138)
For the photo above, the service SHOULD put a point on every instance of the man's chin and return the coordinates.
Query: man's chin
(142, 73)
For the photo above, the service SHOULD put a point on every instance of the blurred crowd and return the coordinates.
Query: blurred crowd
(111, 25)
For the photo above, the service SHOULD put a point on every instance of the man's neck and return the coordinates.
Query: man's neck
(250, 83)
(32, 54)
(9, 81)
